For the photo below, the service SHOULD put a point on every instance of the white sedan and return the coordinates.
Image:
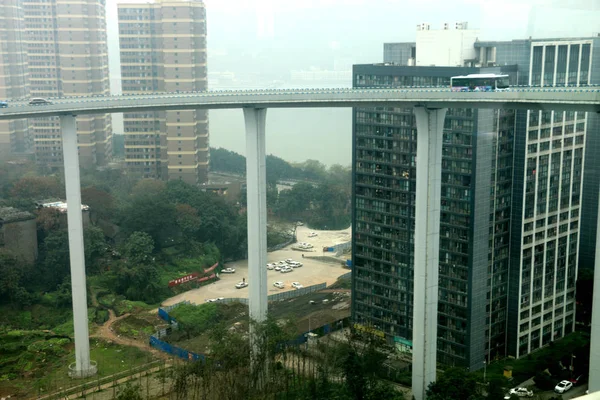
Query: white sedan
(241, 285)
(297, 285)
(270, 266)
(228, 271)
(312, 234)
(285, 270)
(563, 386)
(279, 285)
(519, 392)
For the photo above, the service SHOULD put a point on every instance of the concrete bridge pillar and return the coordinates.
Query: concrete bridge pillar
(256, 189)
(430, 124)
(83, 366)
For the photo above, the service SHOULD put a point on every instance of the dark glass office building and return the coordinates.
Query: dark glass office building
(511, 206)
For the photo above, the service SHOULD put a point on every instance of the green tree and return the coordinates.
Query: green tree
(12, 274)
(129, 392)
(54, 256)
(38, 188)
(544, 381)
(227, 161)
(95, 247)
(188, 221)
(454, 383)
(138, 248)
(496, 389)
(152, 214)
(102, 203)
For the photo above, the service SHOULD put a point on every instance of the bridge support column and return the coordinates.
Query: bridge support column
(430, 124)
(594, 374)
(256, 189)
(83, 366)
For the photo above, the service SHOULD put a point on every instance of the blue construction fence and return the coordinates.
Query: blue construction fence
(191, 356)
(176, 351)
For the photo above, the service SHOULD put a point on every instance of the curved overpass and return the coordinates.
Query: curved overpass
(576, 99)
(430, 106)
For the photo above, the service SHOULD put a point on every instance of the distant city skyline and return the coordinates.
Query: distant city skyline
(338, 29)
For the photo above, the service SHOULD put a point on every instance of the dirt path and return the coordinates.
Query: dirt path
(106, 332)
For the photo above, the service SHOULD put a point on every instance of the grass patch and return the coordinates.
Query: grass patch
(111, 359)
(38, 316)
(527, 366)
(341, 283)
(138, 326)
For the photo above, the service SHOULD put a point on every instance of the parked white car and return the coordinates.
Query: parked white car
(313, 234)
(296, 264)
(519, 392)
(278, 268)
(270, 266)
(241, 285)
(297, 285)
(279, 285)
(285, 270)
(563, 386)
(228, 271)
(289, 260)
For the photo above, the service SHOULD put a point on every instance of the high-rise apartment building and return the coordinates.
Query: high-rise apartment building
(163, 49)
(555, 190)
(510, 212)
(14, 135)
(65, 41)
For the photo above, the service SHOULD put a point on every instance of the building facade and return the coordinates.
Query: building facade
(510, 212)
(384, 194)
(163, 49)
(550, 217)
(65, 41)
(18, 234)
(14, 82)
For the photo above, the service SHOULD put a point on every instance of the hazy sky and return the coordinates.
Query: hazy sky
(269, 38)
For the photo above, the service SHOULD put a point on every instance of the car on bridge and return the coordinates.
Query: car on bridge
(38, 101)
(3, 104)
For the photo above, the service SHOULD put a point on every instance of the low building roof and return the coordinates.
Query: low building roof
(11, 214)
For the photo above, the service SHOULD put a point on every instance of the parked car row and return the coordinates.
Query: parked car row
(281, 285)
(284, 266)
(562, 387)
(214, 300)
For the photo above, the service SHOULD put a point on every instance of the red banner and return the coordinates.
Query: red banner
(207, 278)
(184, 279)
(211, 269)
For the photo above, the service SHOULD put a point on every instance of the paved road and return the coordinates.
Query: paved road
(313, 272)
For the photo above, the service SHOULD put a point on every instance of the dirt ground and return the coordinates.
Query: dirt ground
(311, 273)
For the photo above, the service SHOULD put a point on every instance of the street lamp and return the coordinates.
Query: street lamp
(484, 371)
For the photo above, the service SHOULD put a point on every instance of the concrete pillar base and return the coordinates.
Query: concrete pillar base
(81, 374)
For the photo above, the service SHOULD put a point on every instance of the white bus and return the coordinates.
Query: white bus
(479, 83)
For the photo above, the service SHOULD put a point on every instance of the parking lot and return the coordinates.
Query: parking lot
(311, 273)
